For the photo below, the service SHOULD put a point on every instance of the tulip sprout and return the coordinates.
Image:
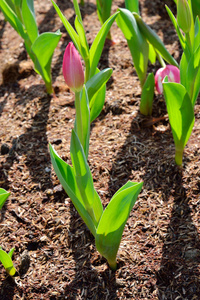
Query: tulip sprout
(6, 258)
(40, 47)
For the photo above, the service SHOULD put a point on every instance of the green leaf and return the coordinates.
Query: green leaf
(174, 22)
(7, 263)
(74, 36)
(96, 87)
(197, 34)
(103, 9)
(98, 43)
(67, 179)
(83, 175)
(183, 69)
(132, 5)
(12, 18)
(29, 19)
(43, 49)
(152, 54)
(111, 225)
(83, 41)
(3, 197)
(84, 122)
(192, 82)
(137, 44)
(147, 96)
(181, 115)
(10, 253)
(153, 39)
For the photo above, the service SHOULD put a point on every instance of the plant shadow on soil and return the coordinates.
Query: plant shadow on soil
(178, 274)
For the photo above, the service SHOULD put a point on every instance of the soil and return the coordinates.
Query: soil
(55, 255)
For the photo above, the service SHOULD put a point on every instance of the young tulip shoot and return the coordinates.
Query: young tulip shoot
(72, 68)
(171, 72)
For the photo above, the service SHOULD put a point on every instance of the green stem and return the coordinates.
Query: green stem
(160, 59)
(112, 264)
(179, 156)
(77, 10)
(79, 129)
(49, 87)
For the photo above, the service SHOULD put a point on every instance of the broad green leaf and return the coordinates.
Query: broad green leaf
(83, 175)
(111, 225)
(153, 39)
(43, 49)
(152, 54)
(3, 197)
(181, 115)
(147, 96)
(132, 5)
(192, 83)
(29, 20)
(103, 9)
(84, 121)
(137, 44)
(7, 263)
(83, 41)
(12, 18)
(98, 43)
(196, 8)
(67, 179)
(96, 87)
(72, 33)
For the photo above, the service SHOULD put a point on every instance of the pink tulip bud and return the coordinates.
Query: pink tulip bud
(173, 74)
(73, 69)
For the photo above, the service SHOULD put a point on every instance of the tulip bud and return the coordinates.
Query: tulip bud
(72, 68)
(184, 16)
(173, 74)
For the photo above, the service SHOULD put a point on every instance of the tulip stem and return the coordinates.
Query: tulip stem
(160, 59)
(179, 156)
(79, 127)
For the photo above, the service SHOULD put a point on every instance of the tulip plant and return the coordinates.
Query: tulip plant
(105, 225)
(144, 45)
(90, 56)
(6, 258)
(40, 47)
(180, 84)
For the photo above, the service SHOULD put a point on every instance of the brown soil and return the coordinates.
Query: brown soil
(55, 255)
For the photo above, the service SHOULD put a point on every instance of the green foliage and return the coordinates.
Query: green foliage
(21, 16)
(132, 5)
(110, 228)
(6, 258)
(3, 197)
(147, 96)
(181, 115)
(137, 43)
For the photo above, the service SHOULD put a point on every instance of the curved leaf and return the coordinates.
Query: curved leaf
(98, 43)
(111, 225)
(3, 197)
